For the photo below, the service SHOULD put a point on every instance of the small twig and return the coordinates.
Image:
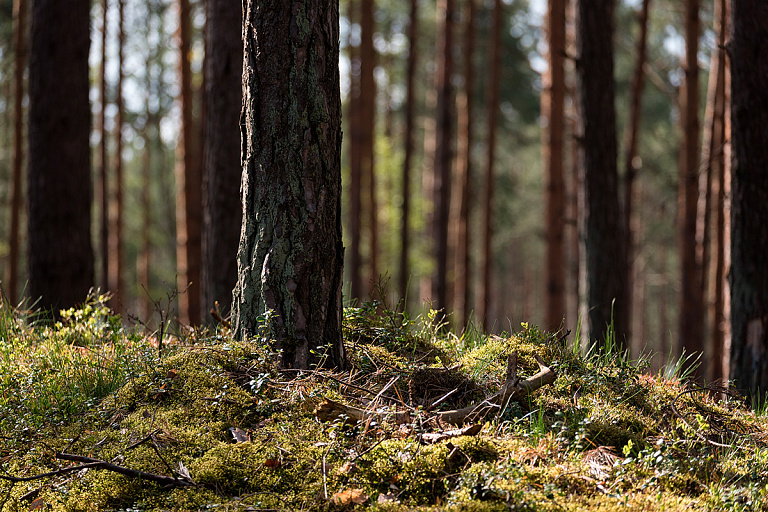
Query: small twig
(63, 471)
(147, 438)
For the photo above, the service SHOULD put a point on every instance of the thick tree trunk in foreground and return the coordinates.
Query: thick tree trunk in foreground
(222, 214)
(605, 253)
(553, 109)
(60, 256)
(749, 236)
(290, 256)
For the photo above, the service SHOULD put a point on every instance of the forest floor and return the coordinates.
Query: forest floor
(94, 416)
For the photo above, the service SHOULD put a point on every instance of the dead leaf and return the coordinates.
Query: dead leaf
(387, 498)
(37, 504)
(272, 463)
(350, 496)
(171, 374)
(146, 414)
(239, 435)
(348, 468)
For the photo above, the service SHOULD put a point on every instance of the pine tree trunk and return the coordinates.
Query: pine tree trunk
(553, 109)
(116, 273)
(604, 235)
(691, 307)
(630, 156)
(222, 173)
(290, 256)
(368, 130)
(405, 273)
(356, 139)
(443, 151)
(20, 53)
(712, 157)
(749, 236)
(188, 185)
(462, 190)
(59, 255)
(492, 108)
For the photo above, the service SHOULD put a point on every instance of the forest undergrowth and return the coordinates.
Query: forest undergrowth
(97, 416)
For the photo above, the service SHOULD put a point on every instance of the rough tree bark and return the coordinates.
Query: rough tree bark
(553, 109)
(290, 256)
(59, 255)
(749, 237)
(604, 237)
(102, 183)
(222, 213)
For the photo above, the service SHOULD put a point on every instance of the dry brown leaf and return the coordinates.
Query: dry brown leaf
(171, 374)
(348, 468)
(350, 496)
(272, 463)
(37, 504)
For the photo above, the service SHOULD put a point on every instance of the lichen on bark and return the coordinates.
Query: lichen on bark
(290, 255)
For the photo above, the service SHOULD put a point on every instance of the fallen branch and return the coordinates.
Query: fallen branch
(513, 389)
(131, 473)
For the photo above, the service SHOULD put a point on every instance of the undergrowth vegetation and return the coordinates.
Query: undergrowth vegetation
(228, 430)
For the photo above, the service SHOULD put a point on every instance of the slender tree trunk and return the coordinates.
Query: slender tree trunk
(710, 181)
(60, 255)
(606, 281)
(291, 256)
(443, 150)
(749, 243)
(691, 307)
(20, 52)
(462, 190)
(553, 109)
(188, 185)
(631, 158)
(102, 184)
(116, 266)
(492, 108)
(222, 214)
(356, 138)
(368, 129)
(410, 101)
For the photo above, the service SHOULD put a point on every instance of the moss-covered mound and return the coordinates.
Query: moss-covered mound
(230, 431)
